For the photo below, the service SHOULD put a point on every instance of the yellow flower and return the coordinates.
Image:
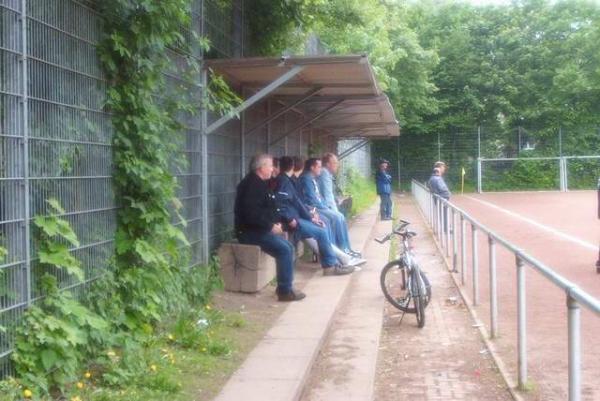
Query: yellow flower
(153, 368)
(171, 337)
(80, 385)
(87, 375)
(208, 307)
(204, 349)
(27, 393)
(76, 398)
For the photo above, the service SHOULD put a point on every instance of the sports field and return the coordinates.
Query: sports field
(563, 231)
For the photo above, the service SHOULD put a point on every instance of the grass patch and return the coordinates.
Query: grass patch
(361, 189)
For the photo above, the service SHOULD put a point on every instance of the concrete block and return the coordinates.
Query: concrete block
(245, 268)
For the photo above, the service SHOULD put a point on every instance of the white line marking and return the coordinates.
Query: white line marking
(551, 230)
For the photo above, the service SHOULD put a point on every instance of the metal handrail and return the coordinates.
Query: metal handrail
(437, 211)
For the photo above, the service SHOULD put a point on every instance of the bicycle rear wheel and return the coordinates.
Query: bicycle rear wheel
(419, 301)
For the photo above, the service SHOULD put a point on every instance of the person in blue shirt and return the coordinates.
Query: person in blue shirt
(383, 181)
(330, 165)
(302, 223)
(311, 196)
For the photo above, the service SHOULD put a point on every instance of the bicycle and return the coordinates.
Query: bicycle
(402, 280)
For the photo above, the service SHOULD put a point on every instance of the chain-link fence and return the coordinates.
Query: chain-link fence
(498, 148)
(55, 142)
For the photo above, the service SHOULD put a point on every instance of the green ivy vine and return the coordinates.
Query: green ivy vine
(147, 134)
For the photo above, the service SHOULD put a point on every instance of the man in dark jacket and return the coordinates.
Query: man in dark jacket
(383, 181)
(302, 223)
(257, 222)
(438, 186)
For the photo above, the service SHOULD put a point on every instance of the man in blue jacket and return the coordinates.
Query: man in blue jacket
(383, 181)
(311, 196)
(302, 223)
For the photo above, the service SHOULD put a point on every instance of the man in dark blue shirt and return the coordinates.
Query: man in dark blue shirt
(383, 181)
(302, 223)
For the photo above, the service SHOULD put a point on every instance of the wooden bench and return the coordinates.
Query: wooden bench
(245, 268)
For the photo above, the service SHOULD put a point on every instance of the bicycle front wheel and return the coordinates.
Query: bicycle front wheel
(394, 280)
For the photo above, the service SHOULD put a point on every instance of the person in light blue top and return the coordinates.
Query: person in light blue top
(330, 165)
(313, 197)
(383, 181)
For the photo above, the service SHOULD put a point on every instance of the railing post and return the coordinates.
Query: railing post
(454, 244)
(574, 349)
(439, 219)
(493, 289)
(447, 227)
(521, 324)
(475, 276)
(431, 221)
(463, 250)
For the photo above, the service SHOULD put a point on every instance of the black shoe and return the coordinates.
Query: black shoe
(293, 295)
(338, 270)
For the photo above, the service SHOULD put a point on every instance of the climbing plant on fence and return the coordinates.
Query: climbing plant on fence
(61, 336)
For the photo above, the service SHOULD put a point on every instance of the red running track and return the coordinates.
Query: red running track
(562, 230)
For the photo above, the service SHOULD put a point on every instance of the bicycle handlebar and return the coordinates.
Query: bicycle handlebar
(400, 230)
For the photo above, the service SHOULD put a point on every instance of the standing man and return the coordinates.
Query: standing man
(383, 181)
(438, 186)
(257, 222)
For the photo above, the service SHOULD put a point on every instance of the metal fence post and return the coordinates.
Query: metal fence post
(574, 349)
(25, 147)
(493, 289)
(521, 324)
(475, 252)
(479, 178)
(561, 173)
(463, 249)
(454, 244)
(566, 173)
(205, 197)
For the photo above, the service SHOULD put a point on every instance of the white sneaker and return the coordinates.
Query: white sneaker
(356, 262)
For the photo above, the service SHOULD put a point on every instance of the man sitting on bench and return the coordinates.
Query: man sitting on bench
(311, 195)
(304, 225)
(257, 222)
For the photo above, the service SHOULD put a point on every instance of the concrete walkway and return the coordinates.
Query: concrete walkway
(345, 369)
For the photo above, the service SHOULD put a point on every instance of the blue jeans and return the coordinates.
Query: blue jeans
(339, 228)
(385, 208)
(307, 229)
(281, 250)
